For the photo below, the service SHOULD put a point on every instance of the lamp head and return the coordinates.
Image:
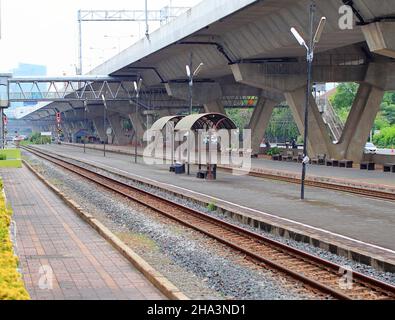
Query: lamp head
(298, 37)
(188, 71)
(137, 84)
(320, 29)
(198, 69)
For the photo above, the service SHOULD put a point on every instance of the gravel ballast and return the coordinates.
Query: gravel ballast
(342, 261)
(199, 266)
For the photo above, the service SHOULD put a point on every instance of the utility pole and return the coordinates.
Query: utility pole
(146, 20)
(0, 20)
(79, 43)
(140, 16)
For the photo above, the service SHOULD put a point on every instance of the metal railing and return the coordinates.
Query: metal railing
(330, 117)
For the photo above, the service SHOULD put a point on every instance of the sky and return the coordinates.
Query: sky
(45, 32)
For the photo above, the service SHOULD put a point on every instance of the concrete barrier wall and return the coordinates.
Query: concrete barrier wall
(379, 158)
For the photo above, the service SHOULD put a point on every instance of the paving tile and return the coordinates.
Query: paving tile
(53, 241)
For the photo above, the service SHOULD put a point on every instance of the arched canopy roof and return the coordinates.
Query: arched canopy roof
(161, 123)
(205, 121)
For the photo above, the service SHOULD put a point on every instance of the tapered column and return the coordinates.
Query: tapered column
(214, 106)
(99, 127)
(138, 126)
(116, 125)
(360, 121)
(259, 121)
(318, 137)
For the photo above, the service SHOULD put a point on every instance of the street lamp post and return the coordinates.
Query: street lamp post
(85, 124)
(137, 87)
(310, 56)
(104, 123)
(191, 75)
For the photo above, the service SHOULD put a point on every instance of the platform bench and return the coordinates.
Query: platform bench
(277, 157)
(367, 166)
(332, 163)
(320, 159)
(298, 158)
(288, 156)
(346, 163)
(389, 167)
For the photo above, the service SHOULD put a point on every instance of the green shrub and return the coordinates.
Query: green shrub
(11, 284)
(3, 156)
(211, 206)
(386, 138)
(36, 138)
(273, 151)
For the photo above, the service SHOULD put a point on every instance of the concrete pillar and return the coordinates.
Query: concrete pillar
(380, 37)
(318, 138)
(119, 134)
(207, 94)
(100, 130)
(35, 128)
(138, 125)
(292, 84)
(214, 106)
(360, 121)
(375, 79)
(68, 129)
(259, 121)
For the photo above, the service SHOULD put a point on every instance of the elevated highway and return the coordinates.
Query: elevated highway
(248, 51)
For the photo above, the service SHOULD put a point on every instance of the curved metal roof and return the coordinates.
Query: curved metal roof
(205, 121)
(161, 123)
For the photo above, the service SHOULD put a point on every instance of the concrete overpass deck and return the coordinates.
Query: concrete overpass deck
(248, 51)
(365, 224)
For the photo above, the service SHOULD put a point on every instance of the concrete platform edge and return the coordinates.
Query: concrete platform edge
(282, 173)
(155, 277)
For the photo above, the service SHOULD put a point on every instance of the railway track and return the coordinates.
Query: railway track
(371, 193)
(313, 271)
(320, 184)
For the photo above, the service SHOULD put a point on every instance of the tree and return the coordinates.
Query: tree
(282, 126)
(386, 138)
(240, 116)
(343, 99)
(388, 107)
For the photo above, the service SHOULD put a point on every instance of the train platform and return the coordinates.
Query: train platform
(61, 256)
(375, 179)
(365, 225)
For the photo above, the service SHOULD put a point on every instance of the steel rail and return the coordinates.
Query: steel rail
(386, 290)
(319, 184)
